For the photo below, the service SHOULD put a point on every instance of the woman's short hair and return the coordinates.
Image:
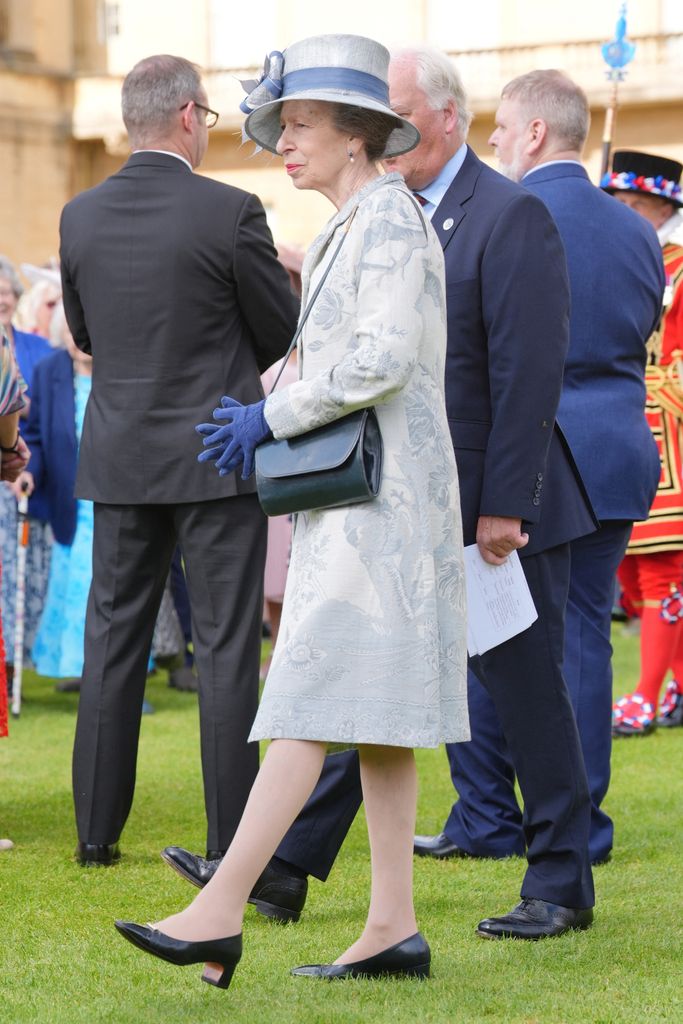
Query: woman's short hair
(27, 310)
(551, 95)
(153, 92)
(8, 271)
(371, 126)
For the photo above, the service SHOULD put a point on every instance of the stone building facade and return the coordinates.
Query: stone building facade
(62, 63)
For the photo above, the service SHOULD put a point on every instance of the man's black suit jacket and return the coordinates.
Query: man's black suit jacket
(508, 333)
(172, 282)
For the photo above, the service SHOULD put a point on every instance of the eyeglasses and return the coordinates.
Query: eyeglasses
(211, 115)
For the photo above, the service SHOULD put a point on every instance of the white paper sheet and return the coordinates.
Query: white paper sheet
(499, 604)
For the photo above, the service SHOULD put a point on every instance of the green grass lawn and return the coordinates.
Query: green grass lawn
(61, 960)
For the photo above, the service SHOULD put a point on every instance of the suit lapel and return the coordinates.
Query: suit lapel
(451, 210)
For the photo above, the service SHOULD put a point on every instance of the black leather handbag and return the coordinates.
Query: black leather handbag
(339, 463)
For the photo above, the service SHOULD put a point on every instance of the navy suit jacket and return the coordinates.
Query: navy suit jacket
(51, 435)
(617, 279)
(507, 296)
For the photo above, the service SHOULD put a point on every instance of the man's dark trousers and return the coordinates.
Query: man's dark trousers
(555, 823)
(223, 543)
(588, 662)
(486, 820)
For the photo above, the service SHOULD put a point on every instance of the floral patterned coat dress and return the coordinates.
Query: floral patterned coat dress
(372, 644)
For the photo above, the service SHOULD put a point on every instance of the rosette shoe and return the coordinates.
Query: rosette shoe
(219, 956)
(633, 716)
(410, 958)
(671, 708)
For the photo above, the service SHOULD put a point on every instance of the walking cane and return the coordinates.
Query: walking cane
(22, 545)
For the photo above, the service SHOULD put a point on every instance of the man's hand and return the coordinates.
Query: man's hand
(498, 536)
(13, 463)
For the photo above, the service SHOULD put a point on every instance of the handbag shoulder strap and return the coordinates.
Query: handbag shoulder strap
(309, 306)
(420, 211)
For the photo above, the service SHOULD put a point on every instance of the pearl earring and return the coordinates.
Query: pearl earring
(351, 156)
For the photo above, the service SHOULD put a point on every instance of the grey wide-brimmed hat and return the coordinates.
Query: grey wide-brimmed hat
(332, 68)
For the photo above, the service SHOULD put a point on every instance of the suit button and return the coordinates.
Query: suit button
(539, 477)
(536, 501)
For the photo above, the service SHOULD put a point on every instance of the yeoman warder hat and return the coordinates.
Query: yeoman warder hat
(644, 172)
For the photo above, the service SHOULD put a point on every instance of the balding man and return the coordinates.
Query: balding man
(616, 281)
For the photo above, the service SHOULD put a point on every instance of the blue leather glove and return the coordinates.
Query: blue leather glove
(233, 445)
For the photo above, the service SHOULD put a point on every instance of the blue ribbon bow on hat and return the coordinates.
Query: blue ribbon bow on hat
(268, 87)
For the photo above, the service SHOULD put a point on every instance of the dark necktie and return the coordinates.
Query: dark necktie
(421, 199)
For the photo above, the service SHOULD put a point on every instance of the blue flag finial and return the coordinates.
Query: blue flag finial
(619, 51)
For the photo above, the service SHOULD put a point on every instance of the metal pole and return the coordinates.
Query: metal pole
(22, 545)
(608, 131)
(616, 54)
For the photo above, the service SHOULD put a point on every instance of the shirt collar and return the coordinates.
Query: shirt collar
(436, 190)
(166, 152)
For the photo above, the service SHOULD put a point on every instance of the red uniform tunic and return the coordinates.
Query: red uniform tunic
(651, 575)
(663, 529)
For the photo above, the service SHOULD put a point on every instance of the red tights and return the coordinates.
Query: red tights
(647, 580)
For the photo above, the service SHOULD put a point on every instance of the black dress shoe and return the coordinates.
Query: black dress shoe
(535, 919)
(91, 855)
(183, 679)
(275, 895)
(407, 959)
(440, 847)
(68, 686)
(220, 956)
(197, 870)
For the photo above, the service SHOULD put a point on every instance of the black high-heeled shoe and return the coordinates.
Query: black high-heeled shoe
(220, 956)
(410, 958)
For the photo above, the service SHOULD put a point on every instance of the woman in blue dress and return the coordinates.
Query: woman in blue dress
(61, 385)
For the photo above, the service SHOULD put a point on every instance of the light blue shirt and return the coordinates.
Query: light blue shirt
(436, 190)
